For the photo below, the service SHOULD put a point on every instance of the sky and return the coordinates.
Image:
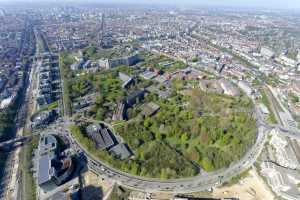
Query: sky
(282, 4)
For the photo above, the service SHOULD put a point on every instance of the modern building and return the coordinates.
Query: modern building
(101, 135)
(44, 99)
(285, 156)
(283, 181)
(5, 103)
(78, 65)
(48, 81)
(43, 119)
(111, 63)
(52, 169)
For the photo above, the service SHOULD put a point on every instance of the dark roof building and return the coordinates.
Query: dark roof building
(101, 135)
(121, 151)
(127, 80)
(132, 99)
(150, 109)
(43, 119)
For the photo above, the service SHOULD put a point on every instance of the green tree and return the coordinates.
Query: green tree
(207, 164)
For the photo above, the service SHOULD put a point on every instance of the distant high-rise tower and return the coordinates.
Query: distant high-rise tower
(101, 31)
(104, 39)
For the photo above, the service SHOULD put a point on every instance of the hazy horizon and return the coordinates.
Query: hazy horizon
(274, 4)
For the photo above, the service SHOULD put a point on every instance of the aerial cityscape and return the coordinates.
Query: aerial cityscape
(137, 100)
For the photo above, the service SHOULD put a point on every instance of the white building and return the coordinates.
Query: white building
(264, 109)
(267, 53)
(229, 88)
(285, 156)
(286, 61)
(246, 87)
(5, 103)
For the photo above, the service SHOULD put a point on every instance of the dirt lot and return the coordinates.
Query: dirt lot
(250, 188)
(94, 187)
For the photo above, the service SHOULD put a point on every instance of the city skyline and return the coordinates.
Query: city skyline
(277, 4)
(149, 99)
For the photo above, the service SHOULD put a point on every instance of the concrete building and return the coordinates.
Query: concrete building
(134, 97)
(283, 181)
(119, 113)
(121, 151)
(111, 63)
(150, 109)
(229, 88)
(267, 53)
(285, 156)
(245, 87)
(286, 61)
(148, 75)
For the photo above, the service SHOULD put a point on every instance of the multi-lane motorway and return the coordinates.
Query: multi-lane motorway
(200, 182)
(197, 183)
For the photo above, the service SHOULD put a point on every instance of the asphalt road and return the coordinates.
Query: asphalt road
(197, 183)
(201, 182)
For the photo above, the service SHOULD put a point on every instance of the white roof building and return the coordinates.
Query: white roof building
(285, 156)
(266, 52)
(264, 109)
(6, 102)
(245, 87)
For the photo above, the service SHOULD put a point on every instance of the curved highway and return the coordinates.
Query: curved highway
(200, 182)
(197, 183)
